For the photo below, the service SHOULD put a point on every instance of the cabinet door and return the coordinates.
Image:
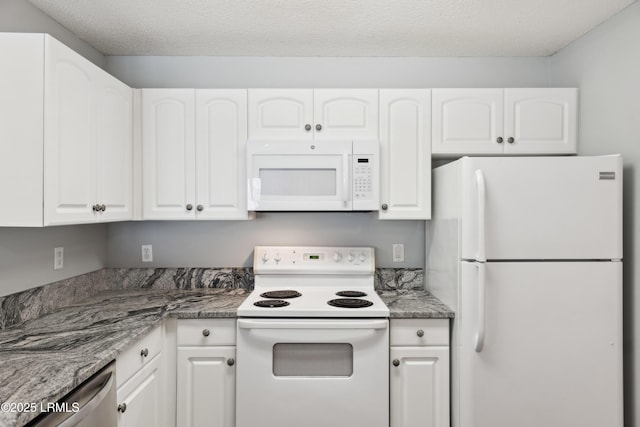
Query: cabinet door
(21, 129)
(419, 387)
(541, 121)
(345, 114)
(206, 386)
(142, 395)
(114, 149)
(69, 136)
(280, 114)
(467, 121)
(405, 153)
(168, 153)
(221, 140)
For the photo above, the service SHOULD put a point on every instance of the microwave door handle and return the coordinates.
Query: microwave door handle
(346, 178)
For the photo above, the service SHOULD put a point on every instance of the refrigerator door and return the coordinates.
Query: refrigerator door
(552, 350)
(530, 208)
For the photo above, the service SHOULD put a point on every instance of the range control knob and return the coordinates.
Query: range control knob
(362, 257)
(265, 257)
(337, 256)
(351, 257)
(277, 258)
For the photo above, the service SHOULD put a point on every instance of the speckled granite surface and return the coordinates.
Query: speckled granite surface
(43, 358)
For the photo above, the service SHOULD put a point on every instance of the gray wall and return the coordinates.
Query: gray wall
(20, 16)
(605, 65)
(218, 244)
(26, 255)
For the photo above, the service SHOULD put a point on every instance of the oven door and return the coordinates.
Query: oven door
(299, 176)
(312, 373)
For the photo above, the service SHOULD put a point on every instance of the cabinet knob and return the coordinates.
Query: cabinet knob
(122, 407)
(511, 140)
(318, 127)
(206, 332)
(200, 208)
(103, 208)
(231, 362)
(420, 333)
(385, 206)
(307, 127)
(396, 362)
(499, 140)
(96, 208)
(144, 352)
(189, 207)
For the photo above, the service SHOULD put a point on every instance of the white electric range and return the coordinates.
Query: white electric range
(313, 341)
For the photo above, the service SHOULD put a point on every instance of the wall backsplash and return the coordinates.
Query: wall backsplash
(35, 302)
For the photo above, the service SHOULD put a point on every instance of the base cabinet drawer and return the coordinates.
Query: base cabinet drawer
(137, 355)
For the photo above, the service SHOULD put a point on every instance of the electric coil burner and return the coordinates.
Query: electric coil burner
(313, 326)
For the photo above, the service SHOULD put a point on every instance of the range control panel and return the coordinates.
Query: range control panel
(313, 260)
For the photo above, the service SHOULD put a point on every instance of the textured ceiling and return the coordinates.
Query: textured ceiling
(330, 27)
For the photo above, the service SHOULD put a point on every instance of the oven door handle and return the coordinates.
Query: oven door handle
(312, 324)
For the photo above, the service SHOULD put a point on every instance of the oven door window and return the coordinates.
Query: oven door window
(312, 360)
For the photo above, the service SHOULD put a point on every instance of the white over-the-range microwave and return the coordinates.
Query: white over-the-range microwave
(313, 175)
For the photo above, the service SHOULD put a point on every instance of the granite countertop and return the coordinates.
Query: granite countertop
(44, 359)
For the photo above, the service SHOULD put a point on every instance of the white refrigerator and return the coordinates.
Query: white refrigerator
(528, 252)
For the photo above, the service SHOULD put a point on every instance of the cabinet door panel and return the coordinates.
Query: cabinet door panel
(419, 390)
(115, 145)
(405, 136)
(221, 138)
(70, 137)
(467, 121)
(142, 395)
(346, 113)
(280, 113)
(206, 387)
(168, 153)
(541, 120)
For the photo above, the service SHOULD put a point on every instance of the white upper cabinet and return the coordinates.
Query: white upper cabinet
(303, 114)
(405, 148)
(76, 142)
(193, 153)
(541, 121)
(509, 121)
(221, 143)
(168, 153)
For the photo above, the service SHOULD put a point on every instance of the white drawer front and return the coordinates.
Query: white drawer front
(423, 332)
(138, 354)
(206, 332)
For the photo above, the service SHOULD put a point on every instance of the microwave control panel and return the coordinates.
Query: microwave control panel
(363, 178)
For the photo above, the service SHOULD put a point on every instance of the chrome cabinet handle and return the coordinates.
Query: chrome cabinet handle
(385, 206)
(122, 407)
(200, 208)
(396, 362)
(307, 127)
(144, 352)
(206, 332)
(420, 333)
(231, 362)
(511, 140)
(318, 127)
(189, 207)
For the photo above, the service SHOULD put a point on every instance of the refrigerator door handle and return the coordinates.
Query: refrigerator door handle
(482, 191)
(480, 322)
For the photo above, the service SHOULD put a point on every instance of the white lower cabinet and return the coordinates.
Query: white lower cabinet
(206, 373)
(419, 377)
(140, 380)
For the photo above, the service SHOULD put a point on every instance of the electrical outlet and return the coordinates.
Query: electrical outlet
(58, 258)
(147, 253)
(398, 252)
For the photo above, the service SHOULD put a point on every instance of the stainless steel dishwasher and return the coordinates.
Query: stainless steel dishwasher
(91, 404)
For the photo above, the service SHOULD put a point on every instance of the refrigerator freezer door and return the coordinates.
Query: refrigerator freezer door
(552, 353)
(560, 208)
